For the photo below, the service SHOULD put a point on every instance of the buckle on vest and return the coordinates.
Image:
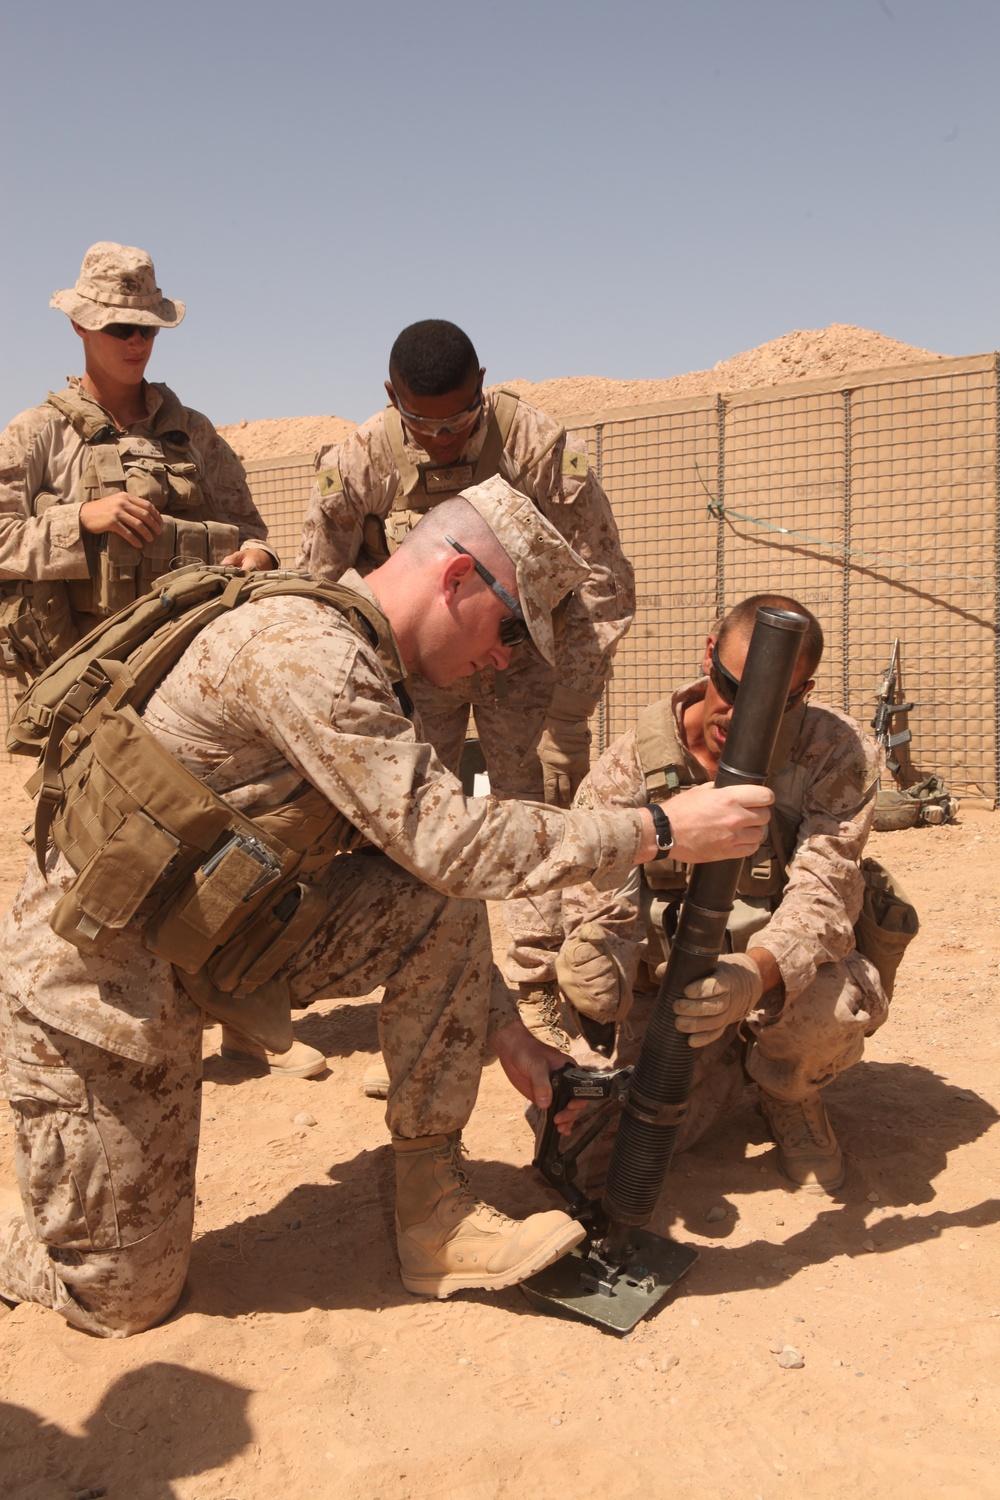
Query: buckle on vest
(761, 870)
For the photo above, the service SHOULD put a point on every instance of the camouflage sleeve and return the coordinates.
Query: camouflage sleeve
(564, 487)
(44, 546)
(337, 723)
(614, 781)
(226, 481)
(814, 923)
(352, 483)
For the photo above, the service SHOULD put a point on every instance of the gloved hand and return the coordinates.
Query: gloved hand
(589, 975)
(726, 997)
(564, 746)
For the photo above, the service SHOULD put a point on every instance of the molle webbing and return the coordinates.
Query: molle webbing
(157, 467)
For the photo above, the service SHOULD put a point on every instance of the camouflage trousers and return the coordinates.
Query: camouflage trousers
(106, 1148)
(508, 709)
(105, 1155)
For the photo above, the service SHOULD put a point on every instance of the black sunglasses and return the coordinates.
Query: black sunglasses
(125, 331)
(727, 686)
(513, 631)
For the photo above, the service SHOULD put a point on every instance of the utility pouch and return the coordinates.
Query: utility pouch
(113, 884)
(127, 572)
(888, 922)
(265, 1015)
(36, 626)
(277, 930)
(212, 902)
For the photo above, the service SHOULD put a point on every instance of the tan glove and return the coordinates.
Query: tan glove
(564, 746)
(724, 998)
(589, 975)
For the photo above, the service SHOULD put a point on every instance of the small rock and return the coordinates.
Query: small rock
(465, 1361)
(716, 1214)
(798, 1319)
(644, 1363)
(260, 1237)
(304, 1118)
(776, 1346)
(868, 1244)
(791, 1359)
(873, 1197)
(759, 1281)
(555, 1421)
(668, 1361)
(838, 1364)
(965, 1245)
(780, 1222)
(295, 1224)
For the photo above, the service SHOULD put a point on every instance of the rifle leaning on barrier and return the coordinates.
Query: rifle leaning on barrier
(885, 710)
(621, 1271)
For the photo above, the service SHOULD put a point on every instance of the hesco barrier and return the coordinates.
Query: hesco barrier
(873, 498)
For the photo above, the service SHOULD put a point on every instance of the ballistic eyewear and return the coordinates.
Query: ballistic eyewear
(125, 331)
(727, 686)
(435, 426)
(513, 631)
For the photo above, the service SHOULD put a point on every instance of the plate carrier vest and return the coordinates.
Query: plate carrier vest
(37, 621)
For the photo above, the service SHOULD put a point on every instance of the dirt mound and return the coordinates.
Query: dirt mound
(278, 437)
(806, 354)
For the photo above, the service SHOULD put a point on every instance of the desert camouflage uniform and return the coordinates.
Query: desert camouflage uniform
(104, 1053)
(833, 998)
(510, 707)
(42, 454)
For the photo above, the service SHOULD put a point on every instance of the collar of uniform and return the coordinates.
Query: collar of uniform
(387, 650)
(154, 393)
(681, 700)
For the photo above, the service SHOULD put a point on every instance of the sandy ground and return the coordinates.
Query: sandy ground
(805, 354)
(296, 1366)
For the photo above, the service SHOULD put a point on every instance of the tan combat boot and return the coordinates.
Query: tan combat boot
(376, 1081)
(540, 1008)
(450, 1242)
(550, 1019)
(299, 1061)
(808, 1152)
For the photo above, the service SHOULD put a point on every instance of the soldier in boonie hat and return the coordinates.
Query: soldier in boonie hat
(117, 284)
(546, 567)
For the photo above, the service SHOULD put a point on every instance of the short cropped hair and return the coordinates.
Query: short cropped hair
(740, 621)
(433, 358)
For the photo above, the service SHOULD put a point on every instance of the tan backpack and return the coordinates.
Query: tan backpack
(225, 898)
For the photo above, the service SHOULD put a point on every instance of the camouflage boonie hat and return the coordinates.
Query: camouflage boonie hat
(546, 567)
(117, 284)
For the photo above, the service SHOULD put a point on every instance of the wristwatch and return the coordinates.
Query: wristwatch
(662, 830)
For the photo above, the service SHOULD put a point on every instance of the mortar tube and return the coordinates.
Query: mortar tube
(661, 1082)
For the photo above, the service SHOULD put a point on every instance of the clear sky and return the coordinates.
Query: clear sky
(630, 189)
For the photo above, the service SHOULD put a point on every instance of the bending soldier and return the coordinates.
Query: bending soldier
(441, 432)
(795, 977)
(279, 705)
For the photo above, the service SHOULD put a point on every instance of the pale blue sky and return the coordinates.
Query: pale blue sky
(629, 190)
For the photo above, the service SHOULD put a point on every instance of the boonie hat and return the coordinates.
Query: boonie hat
(546, 567)
(117, 284)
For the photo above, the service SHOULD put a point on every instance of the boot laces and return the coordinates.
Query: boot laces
(799, 1126)
(453, 1153)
